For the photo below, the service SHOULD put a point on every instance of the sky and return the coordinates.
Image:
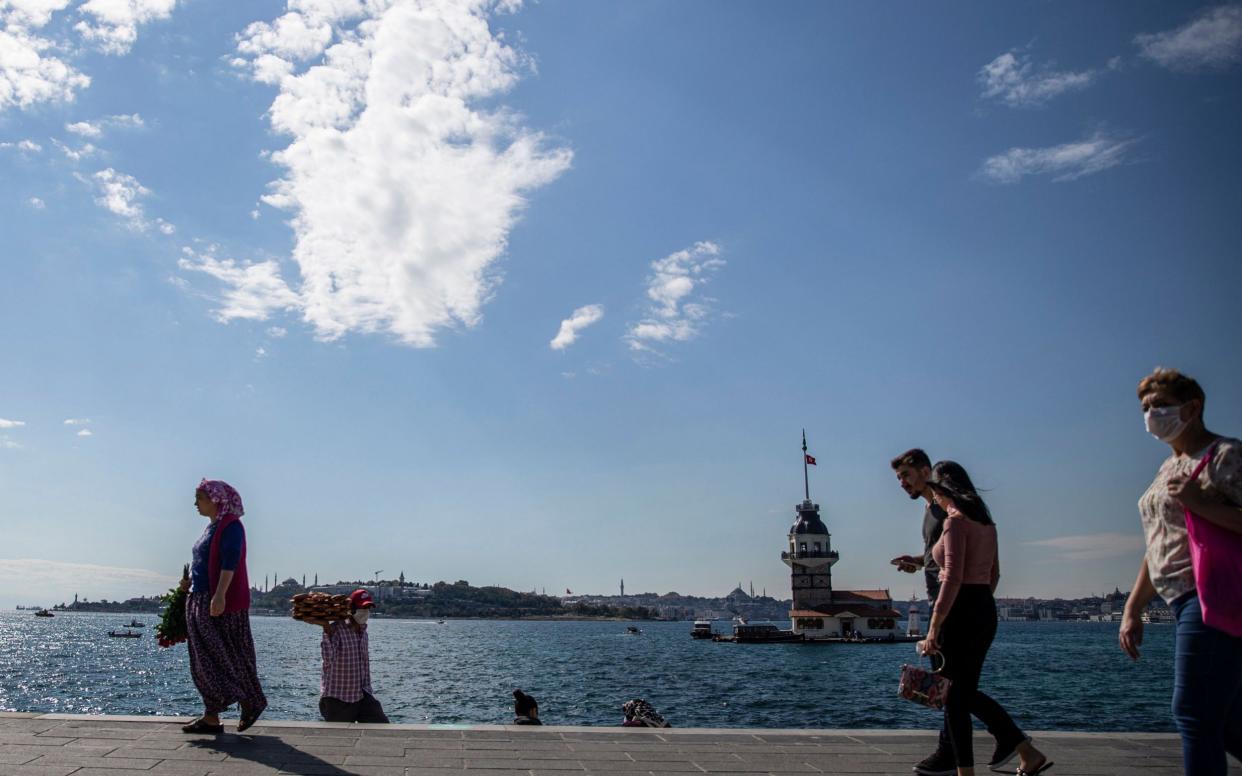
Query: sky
(543, 294)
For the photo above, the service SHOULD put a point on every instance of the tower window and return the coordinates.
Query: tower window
(802, 547)
(816, 547)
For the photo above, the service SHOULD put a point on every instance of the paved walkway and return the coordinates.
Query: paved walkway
(62, 744)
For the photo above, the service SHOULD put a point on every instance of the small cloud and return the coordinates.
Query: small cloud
(9, 444)
(276, 332)
(1066, 162)
(165, 227)
(569, 375)
(5, 423)
(1092, 546)
(260, 353)
(1014, 80)
(675, 314)
(29, 146)
(253, 291)
(77, 421)
(76, 154)
(85, 129)
(1210, 41)
(36, 203)
(95, 129)
(577, 321)
(86, 432)
(254, 214)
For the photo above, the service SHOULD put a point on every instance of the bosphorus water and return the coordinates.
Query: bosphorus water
(1052, 676)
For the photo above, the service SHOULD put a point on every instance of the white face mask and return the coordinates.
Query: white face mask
(1165, 423)
(361, 616)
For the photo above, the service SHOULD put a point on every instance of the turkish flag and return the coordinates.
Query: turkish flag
(810, 459)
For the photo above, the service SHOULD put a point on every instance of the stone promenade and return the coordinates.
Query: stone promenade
(65, 745)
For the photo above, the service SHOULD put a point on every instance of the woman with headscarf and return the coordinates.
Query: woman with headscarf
(217, 613)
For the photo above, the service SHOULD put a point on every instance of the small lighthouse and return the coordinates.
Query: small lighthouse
(819, 612)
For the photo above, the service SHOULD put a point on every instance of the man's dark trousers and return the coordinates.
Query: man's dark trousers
(366, 710)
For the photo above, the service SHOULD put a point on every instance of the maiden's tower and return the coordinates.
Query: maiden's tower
(819, 612)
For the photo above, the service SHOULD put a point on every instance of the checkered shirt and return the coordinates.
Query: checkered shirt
(346, 662)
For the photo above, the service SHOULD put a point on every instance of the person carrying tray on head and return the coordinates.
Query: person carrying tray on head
(345, 691)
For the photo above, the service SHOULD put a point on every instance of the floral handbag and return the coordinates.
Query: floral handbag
(924, 686)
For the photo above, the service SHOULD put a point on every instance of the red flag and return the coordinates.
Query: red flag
(810, 459)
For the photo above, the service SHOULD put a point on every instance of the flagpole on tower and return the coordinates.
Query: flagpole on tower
(806, 480)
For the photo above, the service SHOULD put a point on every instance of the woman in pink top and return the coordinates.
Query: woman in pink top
(963, 625)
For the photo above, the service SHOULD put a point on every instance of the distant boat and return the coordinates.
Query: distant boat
(758, 634)
(633, 630)
(740, 620)
(439, 622)
(702, 629)
(126, 635)
(44, 613)
(136, 624)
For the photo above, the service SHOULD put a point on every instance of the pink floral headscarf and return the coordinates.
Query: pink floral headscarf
(222, 494)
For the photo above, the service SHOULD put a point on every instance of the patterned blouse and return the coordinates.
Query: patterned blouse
(1164, 523)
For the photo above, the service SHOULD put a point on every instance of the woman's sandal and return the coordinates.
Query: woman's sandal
(202, 726)
(1045, 765)
(247, 719)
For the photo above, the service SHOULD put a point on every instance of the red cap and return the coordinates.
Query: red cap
(361, 599)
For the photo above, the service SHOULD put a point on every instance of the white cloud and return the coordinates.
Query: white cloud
(120, 193)
(37, 203)
(29, 72)
(675, 313)
(86, 432)
(57, 581)
(84, 128)
(252, 291)
(276, 332)
(1015, 81)
(1064, 162)
(96, 128)
(76, 154)
(77, 421)
(5, 423)
(29, 146)
(1212, 40)
(577, 321)
(1093, 546)
(113, 26)
(9, 444)
(402, 175)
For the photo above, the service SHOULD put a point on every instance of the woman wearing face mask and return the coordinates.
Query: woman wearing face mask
(345, 691)
(962, 626)
(217, 614)
(1207, 663)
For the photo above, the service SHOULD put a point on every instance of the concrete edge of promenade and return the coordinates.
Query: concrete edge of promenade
(287, 724)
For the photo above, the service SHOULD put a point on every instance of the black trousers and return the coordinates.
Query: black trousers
(366, 710)
(965, 638)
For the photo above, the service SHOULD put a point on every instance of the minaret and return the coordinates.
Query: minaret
(623, 587)
(810, 555)
(316, 579)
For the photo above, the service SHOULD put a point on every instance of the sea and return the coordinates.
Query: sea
(1051, 676)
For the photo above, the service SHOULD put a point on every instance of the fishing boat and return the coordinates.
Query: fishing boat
(758, 634)
(702, 629)
(136, 624)
(124, 635)
(633, 630)
(44, 613)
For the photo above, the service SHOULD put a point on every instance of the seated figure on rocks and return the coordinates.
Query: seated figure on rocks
(639, 713)
(525, 709)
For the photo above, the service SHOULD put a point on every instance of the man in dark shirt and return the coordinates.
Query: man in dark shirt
(913, 469)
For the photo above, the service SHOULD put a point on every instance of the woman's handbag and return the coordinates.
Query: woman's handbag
(924, 686)
(1216, 554)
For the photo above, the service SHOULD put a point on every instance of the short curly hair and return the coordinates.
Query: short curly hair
(1182, 387)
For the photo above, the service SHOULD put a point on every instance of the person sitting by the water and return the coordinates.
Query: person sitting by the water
(345, 689)
(525, 709)
(639, 713)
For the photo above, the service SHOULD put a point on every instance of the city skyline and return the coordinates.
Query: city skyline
(543, 294)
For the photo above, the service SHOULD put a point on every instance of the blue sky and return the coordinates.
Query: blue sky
(541, 295)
